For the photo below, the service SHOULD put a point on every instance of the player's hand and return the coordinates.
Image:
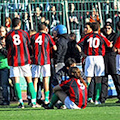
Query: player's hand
(114, 49)
(111, 44)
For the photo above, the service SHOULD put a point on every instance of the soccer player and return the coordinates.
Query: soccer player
(17, 44)
(93, 46)
(41, 43)
(76, 96)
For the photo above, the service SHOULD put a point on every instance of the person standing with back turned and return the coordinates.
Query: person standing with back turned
(93, 44)
(41, 43)
(17, 44)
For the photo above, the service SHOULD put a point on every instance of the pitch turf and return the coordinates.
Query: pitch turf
(108, 111)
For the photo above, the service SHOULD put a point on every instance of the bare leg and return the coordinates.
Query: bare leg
(46, 83)
(46, 89)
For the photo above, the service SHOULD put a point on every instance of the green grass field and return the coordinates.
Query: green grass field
(108, 111)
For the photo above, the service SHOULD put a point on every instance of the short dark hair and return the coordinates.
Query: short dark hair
(15, 22)
(118, 25)
(41, 26)
(89, 23)
(69, 62)
(95, 26)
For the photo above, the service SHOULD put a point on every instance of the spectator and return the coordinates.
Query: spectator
(117, 50)
(4, 68)
(54, 18)
(61, 46)
(8, 23)
(26, 21)
(110, 64)
(41, 43)
(76, 97)
(74, 22)
(94, 65)
(19, 59)
(38, 16)
(72, 51)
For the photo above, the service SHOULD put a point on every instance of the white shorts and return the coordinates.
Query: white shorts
(20, 71)
(118, 64)
(69, 104)
(43, 71)
(94, 66)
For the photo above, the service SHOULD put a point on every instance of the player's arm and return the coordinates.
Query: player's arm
(52, 43)
(108, 43)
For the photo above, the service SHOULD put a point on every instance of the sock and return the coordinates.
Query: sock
(18, 92)
(98, 91)
(32, 92)
(89, 99)
(47, 96)
(53, 100)
(88, 84)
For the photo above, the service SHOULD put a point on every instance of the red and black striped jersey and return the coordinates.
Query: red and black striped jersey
(77, 91)
(94, 44)
(41, 44)
(17, 44)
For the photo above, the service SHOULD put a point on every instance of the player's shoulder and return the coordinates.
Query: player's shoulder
(23, 31)
(47, 35)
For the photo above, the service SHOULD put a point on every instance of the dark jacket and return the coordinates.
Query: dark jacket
(110, 56)
(59, 55)
(73, 51)
(60, 76)
(112, 37)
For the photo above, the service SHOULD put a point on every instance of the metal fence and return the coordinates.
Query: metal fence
(72, 13)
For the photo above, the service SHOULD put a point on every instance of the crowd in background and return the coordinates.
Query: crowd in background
(79, 25)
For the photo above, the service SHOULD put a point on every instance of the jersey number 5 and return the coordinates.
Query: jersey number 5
(94, 42)
(39, 40)
(16, 39)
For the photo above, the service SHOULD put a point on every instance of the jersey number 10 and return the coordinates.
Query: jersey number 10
(94, 42)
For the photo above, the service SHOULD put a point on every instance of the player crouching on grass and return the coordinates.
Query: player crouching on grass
(72, 92)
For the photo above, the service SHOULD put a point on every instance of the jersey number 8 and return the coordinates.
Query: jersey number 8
(16, 39)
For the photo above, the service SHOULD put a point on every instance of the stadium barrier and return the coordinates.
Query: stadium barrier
(59, 12)
(54, 12)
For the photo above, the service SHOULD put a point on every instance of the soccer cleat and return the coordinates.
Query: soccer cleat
(90, 100)
(97, 102)
(21, 106)
(46, 106)
(63, 107)
(46, 102)
(40, 102)
(36, 106)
